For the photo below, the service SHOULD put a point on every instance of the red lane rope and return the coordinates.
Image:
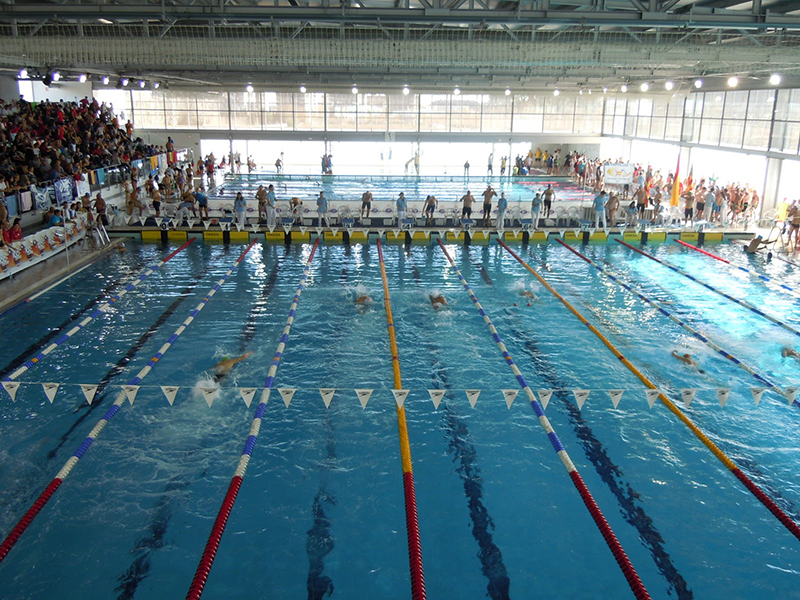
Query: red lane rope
(682, 243)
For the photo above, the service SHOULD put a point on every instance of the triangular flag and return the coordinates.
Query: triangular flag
(319, 230)
(130, 392)
(722, 395)
(238, 226)
(637, 229)
(287, 394)
(303, 229)
(88, 391)
(485, 234)
(265, 395)
(436, 396)
(286, 229)
(622, 228)
(616, 396)
(605, 230)
(142, 219)
(592, 230)
(190, 222)
(580, 397)
(206, 224)
(576, 232)
(544, 397)
(209, 393)
(363, 396)
(327, 395)
(334, 230)
(50, 390)
(515, 232)
(271, 228)
(247, 395)
(652, 396)
(11, 388)
(510, 396)
(561, 232)
(472, 396)
(687, 396)
(381, 232)
(170, 391)
(159, 220)
(791, 393)
(757, 393)
(442, 233)
(128, 219)
(400, 397)
(255, 228)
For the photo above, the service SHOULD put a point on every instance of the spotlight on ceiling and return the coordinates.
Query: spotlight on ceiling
(302, 89)
(556, 92)
(624, 88)
(698, 83)
(82, 77)
(508, 91)
(406, 91)
(580, 92)
(354, 89)
(590, 91)
(47, 80)
(156, 85)
(775, 79)
(105, 80)
(124, 82)
(56, 76)
(456, 92)
(249, 88)
(23, 73)
(644, 87)
(605, 90)
(733, 81)
(669, 85)
(142, 83)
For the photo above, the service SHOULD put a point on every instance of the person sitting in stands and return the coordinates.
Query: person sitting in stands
(16, 230)
(55, 219)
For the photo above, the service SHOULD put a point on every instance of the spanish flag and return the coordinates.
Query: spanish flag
(674, 199)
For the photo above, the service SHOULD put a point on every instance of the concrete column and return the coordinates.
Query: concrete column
(772, 180)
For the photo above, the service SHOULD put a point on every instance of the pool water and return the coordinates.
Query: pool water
(321, 511)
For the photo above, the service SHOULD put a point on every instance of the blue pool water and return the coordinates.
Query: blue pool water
(320, 513)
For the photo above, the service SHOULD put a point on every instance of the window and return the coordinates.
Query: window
(372, 112)
(340, 111)
(466, 112)
(403, 112)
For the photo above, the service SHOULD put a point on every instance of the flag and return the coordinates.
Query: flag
(689, 183)
(674, 199)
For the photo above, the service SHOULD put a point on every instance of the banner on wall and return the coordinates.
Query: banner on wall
(63, 190)
(618, 174)
(42, 196)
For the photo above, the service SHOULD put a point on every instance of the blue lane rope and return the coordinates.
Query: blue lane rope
(37, 506)
(697, 334)
(212, 545)
(635, 583)
(743, 303)
(100, 309)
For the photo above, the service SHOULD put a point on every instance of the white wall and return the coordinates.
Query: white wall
(67, 91)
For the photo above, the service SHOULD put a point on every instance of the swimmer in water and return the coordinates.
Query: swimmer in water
(223, 367)
(437, 301)
(528, 294)
(687, 359)
(787, 352)
(363, 303)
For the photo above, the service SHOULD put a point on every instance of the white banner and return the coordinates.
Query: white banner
(510, 396)
(363, 396)
(247, 395)
(436, 397)
(618, 174)
(170, 391)
(287, 394)
(327, 395)
(50, 390)
(88, 391)
(11, 388)
(400, 397)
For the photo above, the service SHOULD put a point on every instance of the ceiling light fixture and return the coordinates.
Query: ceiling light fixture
(156, 84)
(105, 80)
(249, 88)
(124, 81)
(406, 91)
(302, 89)
(775, 79)
(644, 87)
(556, 92)
(733, 81)
(624, 88)
(508, 91)
(82, 77)
(23, 74)
(355, 89)
(56, 76)
(669, 85)
(456, 92)
(698, 83)
(142, 83)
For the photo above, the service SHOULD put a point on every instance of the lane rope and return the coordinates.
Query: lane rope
(45, 496)
(741, 268)
(785, 520)
(100, 309)
(610, 538)
(697, 334)
(412, 519)
(738, 301)
(212, 545)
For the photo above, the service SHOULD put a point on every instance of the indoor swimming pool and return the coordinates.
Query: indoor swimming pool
(321, 508)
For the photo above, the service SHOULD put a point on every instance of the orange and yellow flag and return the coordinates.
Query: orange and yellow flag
(674, 199)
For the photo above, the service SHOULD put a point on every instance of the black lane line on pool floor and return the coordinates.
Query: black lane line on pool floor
(489, 554)
(745, 463)
(45, 340)
(122, 363)
(319, 541)
(158, 525)
(611, 474)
